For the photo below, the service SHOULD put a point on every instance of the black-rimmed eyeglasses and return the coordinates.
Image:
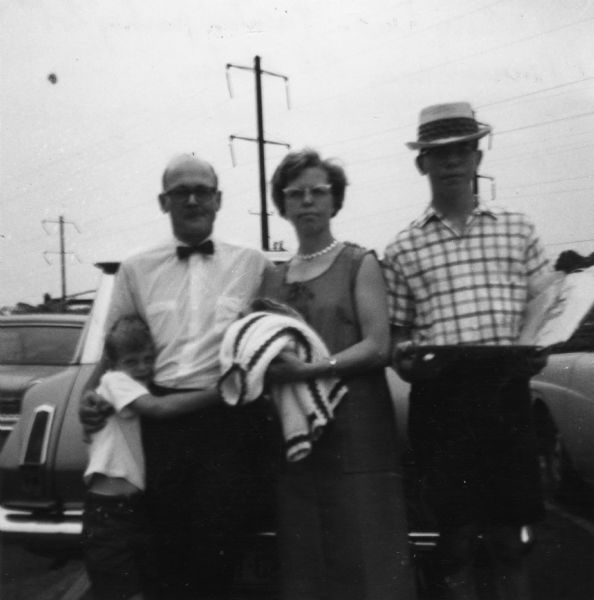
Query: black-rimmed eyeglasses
(200, 192)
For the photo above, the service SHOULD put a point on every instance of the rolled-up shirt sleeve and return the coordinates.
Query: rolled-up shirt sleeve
(401, 305)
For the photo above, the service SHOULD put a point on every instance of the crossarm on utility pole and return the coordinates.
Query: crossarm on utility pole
(62, 252)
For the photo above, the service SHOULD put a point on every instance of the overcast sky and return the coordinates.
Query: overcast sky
(138, 81)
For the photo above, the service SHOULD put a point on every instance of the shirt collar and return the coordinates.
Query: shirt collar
(480, 208)
(175, 242)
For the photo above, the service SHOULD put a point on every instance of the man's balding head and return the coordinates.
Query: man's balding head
(183, 166)
(191, 198)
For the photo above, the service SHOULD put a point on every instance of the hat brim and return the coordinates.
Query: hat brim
(482, 132)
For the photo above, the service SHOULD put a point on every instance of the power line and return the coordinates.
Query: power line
(410, 126)
(346, 57)
(547, 182)
(570, 242)
(552, 193)
(570, 118)
(464, 58)
(535, 93)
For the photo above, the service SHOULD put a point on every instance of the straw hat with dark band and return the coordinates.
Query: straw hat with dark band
(451, 123)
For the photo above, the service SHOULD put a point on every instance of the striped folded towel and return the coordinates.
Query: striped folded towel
(305, 407)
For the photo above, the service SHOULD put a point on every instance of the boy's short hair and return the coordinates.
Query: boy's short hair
(128, 334)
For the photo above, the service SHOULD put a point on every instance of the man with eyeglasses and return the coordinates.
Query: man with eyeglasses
(461, 275)
(199, 475)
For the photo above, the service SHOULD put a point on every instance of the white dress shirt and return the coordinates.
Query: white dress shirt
(188, 305)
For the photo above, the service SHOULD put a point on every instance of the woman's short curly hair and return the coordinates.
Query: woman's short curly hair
(295, 163)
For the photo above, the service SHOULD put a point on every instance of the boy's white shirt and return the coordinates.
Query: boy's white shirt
(116, 450)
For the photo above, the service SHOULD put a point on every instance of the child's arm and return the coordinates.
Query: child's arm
(174, 405)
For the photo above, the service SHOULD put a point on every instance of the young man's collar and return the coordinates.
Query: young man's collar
(431, 213)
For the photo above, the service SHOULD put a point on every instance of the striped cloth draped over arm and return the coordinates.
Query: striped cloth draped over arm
(305, 407)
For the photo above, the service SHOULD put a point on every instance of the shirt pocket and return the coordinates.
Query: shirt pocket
(161, 315)
(228, 309)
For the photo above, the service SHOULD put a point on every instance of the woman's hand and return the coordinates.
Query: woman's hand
(288, 368)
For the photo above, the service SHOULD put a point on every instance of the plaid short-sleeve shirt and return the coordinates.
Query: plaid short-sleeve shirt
(468, 288)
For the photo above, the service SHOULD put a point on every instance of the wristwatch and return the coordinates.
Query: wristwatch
(332, 362)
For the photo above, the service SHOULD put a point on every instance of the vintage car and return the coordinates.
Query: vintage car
(42, 460)
(563, 395)
(32, 348)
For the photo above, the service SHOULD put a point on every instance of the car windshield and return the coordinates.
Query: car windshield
(38, 345)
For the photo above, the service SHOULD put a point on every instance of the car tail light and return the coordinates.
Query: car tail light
(34, 452)
(37, 437)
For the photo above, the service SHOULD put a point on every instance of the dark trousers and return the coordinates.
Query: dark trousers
(209, 485)
(117, 546)
(474, 448)
(476, 468)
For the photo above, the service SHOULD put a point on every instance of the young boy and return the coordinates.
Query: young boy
(116, 538)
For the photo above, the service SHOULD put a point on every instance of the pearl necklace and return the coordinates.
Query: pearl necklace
(321, 252)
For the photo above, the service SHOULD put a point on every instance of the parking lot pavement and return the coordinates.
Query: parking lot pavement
(27, 576)
(563, 559)
(560, 566)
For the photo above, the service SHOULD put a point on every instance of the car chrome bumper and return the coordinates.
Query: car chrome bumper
(27, 523)
(24, 522)
(423, 539)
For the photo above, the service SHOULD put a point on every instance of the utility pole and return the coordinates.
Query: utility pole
(62, 252)
(475, 181)
(475, 185)
(260, 140)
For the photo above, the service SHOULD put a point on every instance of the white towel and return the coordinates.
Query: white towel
(304, 408)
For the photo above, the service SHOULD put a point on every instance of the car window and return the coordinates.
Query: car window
(38, 345)
(583, 338)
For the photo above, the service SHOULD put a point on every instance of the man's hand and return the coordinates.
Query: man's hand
(404, 359)
(93, 412)
(531, 365)
(413, 364)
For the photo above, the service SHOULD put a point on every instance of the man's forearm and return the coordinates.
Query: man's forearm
(175, 404)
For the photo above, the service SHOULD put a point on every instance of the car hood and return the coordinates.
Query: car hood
(17, 378)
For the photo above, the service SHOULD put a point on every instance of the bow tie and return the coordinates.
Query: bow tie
(205, 248)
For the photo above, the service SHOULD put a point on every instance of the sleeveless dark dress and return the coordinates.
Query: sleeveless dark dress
(342, 524)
